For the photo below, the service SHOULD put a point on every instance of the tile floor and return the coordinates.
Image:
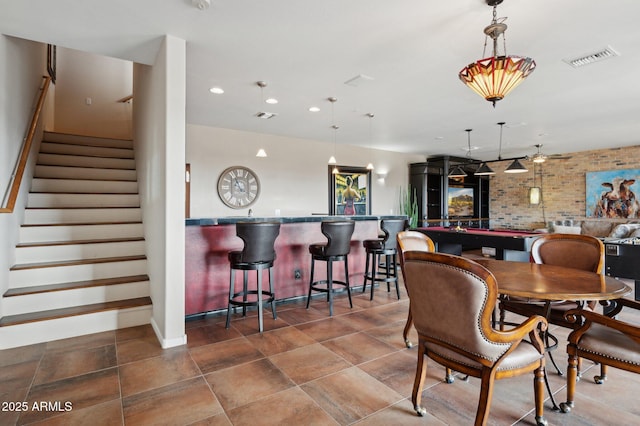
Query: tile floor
(305, 369)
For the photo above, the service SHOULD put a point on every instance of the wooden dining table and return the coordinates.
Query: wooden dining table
(553, 283)
(550, 282)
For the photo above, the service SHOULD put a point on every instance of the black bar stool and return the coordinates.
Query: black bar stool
(337, 248)
(386, 247)
(258, 254)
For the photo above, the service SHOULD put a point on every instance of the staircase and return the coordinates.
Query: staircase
(80, 262)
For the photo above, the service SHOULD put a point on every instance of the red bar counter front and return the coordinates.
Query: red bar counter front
(209, 240)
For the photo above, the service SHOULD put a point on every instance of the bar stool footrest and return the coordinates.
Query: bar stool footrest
(270, 298)
(314, 285)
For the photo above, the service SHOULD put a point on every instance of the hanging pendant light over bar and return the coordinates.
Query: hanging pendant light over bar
(332, 159)
(457, 172)
(484, 170)
(261, 84)
(516, 167)
(370, 165)
(494, 77)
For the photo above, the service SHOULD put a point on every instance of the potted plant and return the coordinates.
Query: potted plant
(409, 205)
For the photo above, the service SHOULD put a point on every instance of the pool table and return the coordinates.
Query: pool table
(507, 244)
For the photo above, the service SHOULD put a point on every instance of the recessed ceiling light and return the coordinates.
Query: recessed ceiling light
(271, 101)
(314, 109)
(216, 90)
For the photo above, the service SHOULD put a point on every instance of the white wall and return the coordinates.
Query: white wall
(23, 63)
(159, 116)
(294, 176)
(104, 80)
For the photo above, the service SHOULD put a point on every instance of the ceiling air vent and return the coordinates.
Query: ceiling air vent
(590, 58)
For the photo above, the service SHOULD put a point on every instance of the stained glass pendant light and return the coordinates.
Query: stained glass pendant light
(495, 76)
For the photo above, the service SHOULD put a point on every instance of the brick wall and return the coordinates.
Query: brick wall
(563, 187)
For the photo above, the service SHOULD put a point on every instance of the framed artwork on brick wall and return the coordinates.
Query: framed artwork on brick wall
(611, 194)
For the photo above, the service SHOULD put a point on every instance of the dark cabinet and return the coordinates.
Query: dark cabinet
(427, 183)
(443, 201)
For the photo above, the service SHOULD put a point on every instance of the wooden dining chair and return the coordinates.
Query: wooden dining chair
(602, 339)
(576, 251)
(569, 250)
(414, 241)
(452, 299)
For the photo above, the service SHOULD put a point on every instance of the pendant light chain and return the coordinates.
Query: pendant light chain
(370, 165)
(261, 151)
(332, 160)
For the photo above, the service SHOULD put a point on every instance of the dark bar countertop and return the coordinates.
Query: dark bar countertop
(231, 220)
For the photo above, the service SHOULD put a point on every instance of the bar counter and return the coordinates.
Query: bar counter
(208, 240)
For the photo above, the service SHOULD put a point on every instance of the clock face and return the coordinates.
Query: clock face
(238, 187)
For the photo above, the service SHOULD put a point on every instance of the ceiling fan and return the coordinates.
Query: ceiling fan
(539, 157)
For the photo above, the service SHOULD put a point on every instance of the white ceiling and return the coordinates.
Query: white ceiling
(413, 49)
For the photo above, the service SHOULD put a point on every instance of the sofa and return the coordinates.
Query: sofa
(600, 228)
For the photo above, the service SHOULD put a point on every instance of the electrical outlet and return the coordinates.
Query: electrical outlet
(297, 274)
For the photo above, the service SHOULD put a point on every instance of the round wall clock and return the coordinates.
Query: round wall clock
(238, 187)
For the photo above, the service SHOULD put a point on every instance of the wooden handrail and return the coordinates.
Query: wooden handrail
(16, 178)
(52, 62)
(126, 99)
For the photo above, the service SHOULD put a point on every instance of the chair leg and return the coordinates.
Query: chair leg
(245, 281)
(421, 373)
(346, 280)
(572, 374)
(603, 375)
(366, 272)
(387, 270)
(273, 295)
(579, 369)
(502, 317)
(374, 272)
(486, 393)
(310, 281)
(448, 376)
(330, 286)
(493, 316)
(407, 327)
(260, 322)
(394, 270)
(538, 392)
(232, 279)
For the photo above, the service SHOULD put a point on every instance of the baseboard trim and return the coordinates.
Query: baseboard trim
(167, 343)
